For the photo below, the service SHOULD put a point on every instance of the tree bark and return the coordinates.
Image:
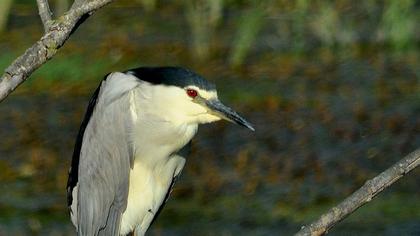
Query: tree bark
(45, 14)
(57, 33)
(362, 196)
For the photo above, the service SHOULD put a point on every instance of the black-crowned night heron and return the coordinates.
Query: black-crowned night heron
(128, 151)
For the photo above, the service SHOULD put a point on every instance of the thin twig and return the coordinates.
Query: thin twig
(46, 47)
(362, 196)
(44, 13)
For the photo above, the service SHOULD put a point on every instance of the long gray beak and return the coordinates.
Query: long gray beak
(227, 113)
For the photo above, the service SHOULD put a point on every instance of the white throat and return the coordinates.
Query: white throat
(155, 141)
(156, 123)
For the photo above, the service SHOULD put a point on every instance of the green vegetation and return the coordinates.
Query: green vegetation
(331, 86)
(250, 24)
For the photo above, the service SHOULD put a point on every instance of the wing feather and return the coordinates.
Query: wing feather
(101, 169)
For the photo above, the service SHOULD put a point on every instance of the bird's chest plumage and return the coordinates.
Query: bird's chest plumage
(155, 143)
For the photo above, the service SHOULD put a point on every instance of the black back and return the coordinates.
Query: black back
(175, 76)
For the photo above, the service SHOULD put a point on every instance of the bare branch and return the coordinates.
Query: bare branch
(77, 3)
(362, 196)
(44, 13)
(46, 47)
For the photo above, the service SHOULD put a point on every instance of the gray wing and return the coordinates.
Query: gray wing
(105, 159)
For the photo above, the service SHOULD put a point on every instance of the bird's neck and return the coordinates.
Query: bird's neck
(155, 142)
(155, 138)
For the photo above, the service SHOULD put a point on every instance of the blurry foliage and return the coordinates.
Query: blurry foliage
(249, 24)
(60, 6)
(203, 17)
(326, 25)
(149, 5)
(4, 13)
(331, 86)
(399, 23)
(299, 24)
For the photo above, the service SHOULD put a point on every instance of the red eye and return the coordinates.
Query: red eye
(192, 93)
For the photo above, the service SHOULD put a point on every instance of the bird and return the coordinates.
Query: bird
(132, 143)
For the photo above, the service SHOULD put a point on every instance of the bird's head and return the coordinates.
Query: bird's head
(184, 96)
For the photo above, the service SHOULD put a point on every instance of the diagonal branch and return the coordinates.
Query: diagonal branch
(77, 3)
(44, 13)
(46, 47)
(362, 196)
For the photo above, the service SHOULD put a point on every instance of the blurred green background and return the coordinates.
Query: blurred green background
(332, 88)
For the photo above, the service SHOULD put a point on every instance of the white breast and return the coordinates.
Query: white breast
(147, 191)
(155, 141)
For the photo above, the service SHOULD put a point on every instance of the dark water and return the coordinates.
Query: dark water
(327, 119)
